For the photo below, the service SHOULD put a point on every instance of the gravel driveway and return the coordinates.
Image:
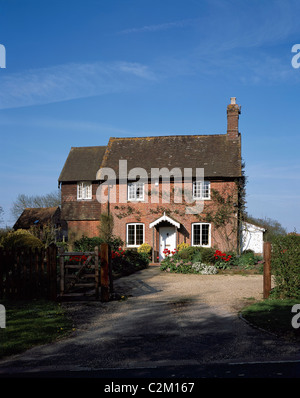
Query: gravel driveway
(166, 319)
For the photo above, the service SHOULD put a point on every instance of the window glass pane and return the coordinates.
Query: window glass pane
(197, 189)
(131, 191)
(79, 190)
(135, 190)
(139, 190)
(196, 234)
(205, 234)
(130, 232)
(84, 190)
(206, 187)
(139, 234)
(88, 190)
(201, 189)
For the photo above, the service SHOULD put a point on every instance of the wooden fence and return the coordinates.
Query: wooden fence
(45, 273)
(28, 274)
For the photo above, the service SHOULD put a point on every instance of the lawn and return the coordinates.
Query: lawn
(273, 315)
(30, 323)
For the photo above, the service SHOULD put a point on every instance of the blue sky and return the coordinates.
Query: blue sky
(79, 72)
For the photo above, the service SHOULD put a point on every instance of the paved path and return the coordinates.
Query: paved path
(167, 320)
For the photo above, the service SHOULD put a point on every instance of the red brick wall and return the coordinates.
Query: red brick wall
(76, 229)
(133, 212)
(73, 209)
(233, 111)
(83, 216)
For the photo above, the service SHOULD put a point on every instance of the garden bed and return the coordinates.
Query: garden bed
(208, 261)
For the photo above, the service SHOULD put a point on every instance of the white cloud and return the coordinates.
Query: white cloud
(70, 81)
(160, 27)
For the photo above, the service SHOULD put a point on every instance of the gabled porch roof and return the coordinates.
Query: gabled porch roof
(165, 218)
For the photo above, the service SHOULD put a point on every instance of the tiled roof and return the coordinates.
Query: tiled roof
(82, 164)
(218, 155)
(33, 216)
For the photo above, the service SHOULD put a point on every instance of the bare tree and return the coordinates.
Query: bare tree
(1, 214)
(24, 201)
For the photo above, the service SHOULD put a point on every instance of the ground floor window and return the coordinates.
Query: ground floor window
(135, 233)
(200, 234)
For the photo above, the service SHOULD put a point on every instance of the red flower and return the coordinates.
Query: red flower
(222, 256)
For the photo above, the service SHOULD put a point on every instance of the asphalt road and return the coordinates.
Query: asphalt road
(168, 326)
(244, 370)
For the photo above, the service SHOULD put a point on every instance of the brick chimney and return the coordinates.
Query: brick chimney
(233, 111)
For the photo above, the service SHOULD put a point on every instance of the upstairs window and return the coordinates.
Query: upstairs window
(84, 190)
(201, 190)
(135, 191)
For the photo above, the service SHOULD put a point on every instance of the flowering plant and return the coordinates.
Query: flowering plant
(221, 256)
(168, 252)
(78, 258)
(118, 253)
(222, 259)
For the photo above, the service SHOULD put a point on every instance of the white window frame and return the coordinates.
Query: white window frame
(200, 188)
(135, 224)
(132, 188)
(209, 234)
(84, 190)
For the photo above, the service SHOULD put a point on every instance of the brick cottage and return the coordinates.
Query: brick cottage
(156, 191)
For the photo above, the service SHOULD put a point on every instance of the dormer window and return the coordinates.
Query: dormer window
(84, 190)
(135, 191)
(201, 190)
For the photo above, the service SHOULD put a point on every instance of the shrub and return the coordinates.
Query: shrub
(198, 253)
(207, 255)
(188, 253)
(21, 239)
(86, 244)
(247, 258)
(182, 246)
(127, 261)
(173, 264)
(197, 257)
(285, 265)
(145, 248)
(3, 233)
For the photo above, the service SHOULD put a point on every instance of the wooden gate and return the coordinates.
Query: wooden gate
(80, 274)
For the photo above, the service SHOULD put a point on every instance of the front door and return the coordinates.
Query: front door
(167, 240)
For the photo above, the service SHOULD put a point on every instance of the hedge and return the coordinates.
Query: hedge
(285, 266)
(20, 239)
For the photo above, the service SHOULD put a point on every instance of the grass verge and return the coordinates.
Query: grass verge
(30, 323)
(273, 315)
